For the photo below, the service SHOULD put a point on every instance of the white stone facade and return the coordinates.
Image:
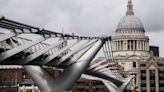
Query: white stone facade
(130, 45)
(130, 39)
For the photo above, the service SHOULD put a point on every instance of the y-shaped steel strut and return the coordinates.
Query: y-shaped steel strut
(70, 75)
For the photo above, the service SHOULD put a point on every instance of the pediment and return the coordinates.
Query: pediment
(151, 63)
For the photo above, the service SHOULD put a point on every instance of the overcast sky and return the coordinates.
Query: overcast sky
(86, 17)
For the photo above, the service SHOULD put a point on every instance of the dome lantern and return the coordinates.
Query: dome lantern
(130, 8)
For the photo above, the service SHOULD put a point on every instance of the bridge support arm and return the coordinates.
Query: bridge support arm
(41, 77)
(70, 75)
(105, 76)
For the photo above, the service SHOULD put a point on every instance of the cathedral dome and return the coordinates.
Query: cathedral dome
(130, 22)
(130, 38)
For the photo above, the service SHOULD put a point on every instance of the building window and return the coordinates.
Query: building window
(29, 90)
(143, 89)
(152, 89)
(143, 71)
(143, 85)
(143, 74)
(161, 79)
(152, 80)
(142, 65)
(143, 78)
(161, 89)
(134, 64)
(160, 65)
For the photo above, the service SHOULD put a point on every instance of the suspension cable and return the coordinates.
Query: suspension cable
(108, 53)
(118, 71)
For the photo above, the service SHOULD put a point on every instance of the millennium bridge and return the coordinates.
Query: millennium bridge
(34, 54)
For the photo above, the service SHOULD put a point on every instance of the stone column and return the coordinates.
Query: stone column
(115, 45)
(127, 44)
(147, 45)
(33, 89)
(123, 42)
(124, 45)
(134, 44)
(137, 45)
(148, 79)
(120, 46)
(140, 44)
(143, 45)
(156, 80)
(130, 45)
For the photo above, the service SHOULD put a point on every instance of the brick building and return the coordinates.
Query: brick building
(86, 85)
(16, 80)
(10, 78)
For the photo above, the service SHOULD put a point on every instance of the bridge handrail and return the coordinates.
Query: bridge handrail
(13, 25)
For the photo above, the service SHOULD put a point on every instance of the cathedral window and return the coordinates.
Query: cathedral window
(134, 64)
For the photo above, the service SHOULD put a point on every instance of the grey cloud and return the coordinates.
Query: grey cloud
(83, 17)
(79, 16)
(151, 12)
